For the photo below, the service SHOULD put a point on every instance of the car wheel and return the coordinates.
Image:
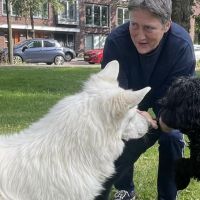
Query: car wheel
(17, 60)
(68, 57)
(59, 60)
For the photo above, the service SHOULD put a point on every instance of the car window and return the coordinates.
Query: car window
(35, 44)
(49, 44)
(21, 43)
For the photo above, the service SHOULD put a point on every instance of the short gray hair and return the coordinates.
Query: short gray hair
(160, 8)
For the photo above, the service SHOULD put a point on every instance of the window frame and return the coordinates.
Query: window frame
(93, 38)
(4, 10)
(92, 15)
(124, 20)
(39, 15)
(67, 10)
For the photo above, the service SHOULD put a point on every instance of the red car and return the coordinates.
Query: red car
(93, 56)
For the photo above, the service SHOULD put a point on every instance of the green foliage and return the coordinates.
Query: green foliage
(31, 8)
(182, 11)
(197, 24)
(197, 20)
(24, 8)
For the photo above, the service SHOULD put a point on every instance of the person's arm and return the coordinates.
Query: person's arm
(112, 52)
(183, 65)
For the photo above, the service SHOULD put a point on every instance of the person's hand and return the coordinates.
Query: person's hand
(149, 118)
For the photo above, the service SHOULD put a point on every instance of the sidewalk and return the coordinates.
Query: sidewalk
(77, 62)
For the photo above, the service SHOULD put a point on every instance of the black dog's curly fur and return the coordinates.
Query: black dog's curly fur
(181, 110)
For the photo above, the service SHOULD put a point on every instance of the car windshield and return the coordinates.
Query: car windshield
(51, 43)
(21, 43)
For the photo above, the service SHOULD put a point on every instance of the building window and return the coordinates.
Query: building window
(42, 12)
(122, 15)
(96, 15)
(12, 9)
(94, 41)
(104, 17)
(49, 44)
(35, 44)
(70, 11)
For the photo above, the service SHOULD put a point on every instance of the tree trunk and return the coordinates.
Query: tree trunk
(181, 12)
(32, 23)
(10, 41)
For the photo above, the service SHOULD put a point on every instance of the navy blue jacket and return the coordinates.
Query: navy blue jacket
(173, 57)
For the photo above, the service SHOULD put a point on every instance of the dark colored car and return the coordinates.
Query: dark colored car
(93, 56)
(41, 51)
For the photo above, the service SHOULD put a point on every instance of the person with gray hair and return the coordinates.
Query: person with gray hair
(161, 9)
(152, 51)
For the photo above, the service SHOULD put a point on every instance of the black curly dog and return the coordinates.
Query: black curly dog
(181, 110)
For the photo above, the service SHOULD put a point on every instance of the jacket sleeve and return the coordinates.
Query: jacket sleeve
(112, 52)
(183, 65)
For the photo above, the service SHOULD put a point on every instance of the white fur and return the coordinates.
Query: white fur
(69, 153)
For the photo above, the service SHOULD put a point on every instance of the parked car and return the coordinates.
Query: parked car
(93, 56)
(41, 50)
(197, 51)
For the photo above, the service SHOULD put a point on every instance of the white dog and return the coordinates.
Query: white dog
(70, 152)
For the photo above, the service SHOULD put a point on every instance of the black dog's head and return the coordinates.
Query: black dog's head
(181, 110)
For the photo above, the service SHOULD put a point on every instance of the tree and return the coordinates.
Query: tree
(10, 42)
(197, 29)
(182, 10)
(29, 8)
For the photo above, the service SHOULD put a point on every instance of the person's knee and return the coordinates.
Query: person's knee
(172, 137)
(171, 145)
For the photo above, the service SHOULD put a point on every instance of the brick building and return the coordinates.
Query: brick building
(82, 24)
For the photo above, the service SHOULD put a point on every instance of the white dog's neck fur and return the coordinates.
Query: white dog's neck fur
(70, 152)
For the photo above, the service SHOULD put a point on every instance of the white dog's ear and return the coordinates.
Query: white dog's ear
(133, 98)
(111, 71)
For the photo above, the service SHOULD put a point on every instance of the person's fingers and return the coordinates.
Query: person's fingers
(149, 118)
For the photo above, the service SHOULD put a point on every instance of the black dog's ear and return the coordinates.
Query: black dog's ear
(182, 173)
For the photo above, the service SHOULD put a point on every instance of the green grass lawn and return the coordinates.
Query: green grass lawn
(26, 94)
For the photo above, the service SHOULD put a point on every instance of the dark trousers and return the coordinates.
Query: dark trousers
(170, 149)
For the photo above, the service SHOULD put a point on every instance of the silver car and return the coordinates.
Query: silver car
(197, 51)
(41, 50)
